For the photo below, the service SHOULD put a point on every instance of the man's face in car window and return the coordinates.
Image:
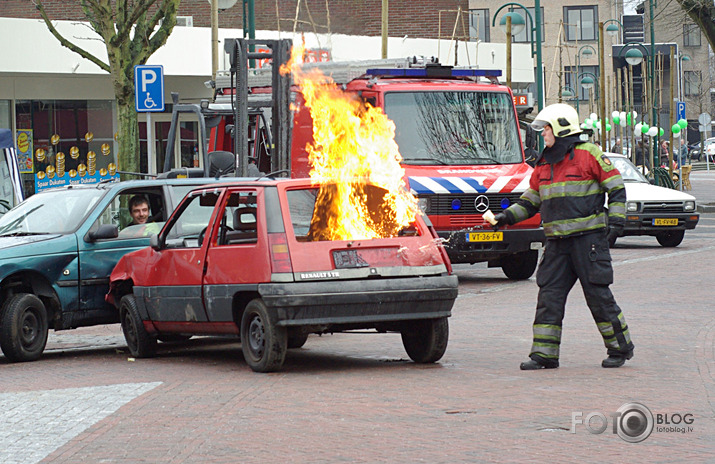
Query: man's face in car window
(140, 213)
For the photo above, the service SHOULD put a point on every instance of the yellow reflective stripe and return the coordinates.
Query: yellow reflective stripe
(546, 350)
(570, 226)
(547, 329)
(580, 188)
(532, 196)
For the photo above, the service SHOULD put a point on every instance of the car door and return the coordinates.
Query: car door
(98, 257)
(173, 293)
(238, 258)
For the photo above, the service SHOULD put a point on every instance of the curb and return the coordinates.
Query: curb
(707, 208)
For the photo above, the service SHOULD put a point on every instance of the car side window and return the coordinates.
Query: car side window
(136, 213)
(190, 226)
(239, 223)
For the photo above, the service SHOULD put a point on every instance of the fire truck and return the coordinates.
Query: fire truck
(457, 130)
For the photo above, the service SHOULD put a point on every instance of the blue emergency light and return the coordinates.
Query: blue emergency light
(433, 71)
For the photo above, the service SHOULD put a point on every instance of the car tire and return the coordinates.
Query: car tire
(670, 239)
(425, 341)
(139, 342)
(520, 266)
(296, 340)
(263, 342)
(24, 328)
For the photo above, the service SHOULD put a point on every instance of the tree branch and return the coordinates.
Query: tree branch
(66, 43)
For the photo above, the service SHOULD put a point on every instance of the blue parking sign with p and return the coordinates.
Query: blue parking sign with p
(149, 88)
(681, 111)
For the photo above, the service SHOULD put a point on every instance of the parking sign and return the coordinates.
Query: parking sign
(149, 88)
(681, 111)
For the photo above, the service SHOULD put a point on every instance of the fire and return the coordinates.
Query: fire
(354, 145)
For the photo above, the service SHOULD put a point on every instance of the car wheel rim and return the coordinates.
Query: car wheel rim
(256, 337)
(30, 329)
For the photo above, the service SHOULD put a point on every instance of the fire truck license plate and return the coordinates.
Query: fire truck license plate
(485, 236)
(665, 221)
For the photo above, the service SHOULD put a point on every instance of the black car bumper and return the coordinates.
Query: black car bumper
(461, 250)
(360, 303)
(645, 224)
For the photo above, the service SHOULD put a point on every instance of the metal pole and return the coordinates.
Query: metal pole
(671, 152)
(602, 87)
(384, 28)
(508, 51)
(539, 64)
(654, 122)
(214, 39)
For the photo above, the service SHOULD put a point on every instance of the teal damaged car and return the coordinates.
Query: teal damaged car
(57, 249)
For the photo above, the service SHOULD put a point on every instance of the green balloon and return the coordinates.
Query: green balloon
(683, 123)
(644, 128)
(616, 120)
(661, 132)
(675, 129)
(608, 127)
(596, 124)
(629, 120)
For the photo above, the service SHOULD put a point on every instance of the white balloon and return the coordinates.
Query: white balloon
(615, 114)
(623, 122)
(653, 131)
(623, 116)
(676, 135)
(635, 114)
(594, 116)
(588, 122)
(637, 128)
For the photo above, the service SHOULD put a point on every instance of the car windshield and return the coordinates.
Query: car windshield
(628, 170)
(454, 128)
(50, 212)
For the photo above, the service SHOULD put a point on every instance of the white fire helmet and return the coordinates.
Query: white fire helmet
(562, 118)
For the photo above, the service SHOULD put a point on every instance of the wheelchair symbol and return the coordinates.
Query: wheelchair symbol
(148, 102)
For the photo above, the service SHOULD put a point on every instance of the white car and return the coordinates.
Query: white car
(651, 210)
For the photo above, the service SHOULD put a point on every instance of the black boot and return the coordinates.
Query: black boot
(616, 360)
(538, 363)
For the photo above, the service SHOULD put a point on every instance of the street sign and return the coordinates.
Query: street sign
(681, 111)
(704, 119)
(149, 88)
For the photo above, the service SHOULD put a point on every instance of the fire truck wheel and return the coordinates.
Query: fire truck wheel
(520, 266)
(24, 326)
(139, 342)
(425, 341)
(263, 342)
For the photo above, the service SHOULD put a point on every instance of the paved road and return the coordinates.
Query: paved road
(356, 397)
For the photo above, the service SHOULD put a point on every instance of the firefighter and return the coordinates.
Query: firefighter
(568, 186)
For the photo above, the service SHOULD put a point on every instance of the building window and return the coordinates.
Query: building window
(691, 35)
(572, 79)
(479, 25)
(691, 82)
(581, 22)
(525, 35)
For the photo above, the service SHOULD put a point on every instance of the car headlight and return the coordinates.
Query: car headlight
(689, 206)
(424, 205)
(632, 206)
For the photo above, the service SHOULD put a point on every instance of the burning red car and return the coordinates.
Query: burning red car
(264, 260)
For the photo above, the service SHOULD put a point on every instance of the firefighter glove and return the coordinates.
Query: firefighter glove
(501, 220)
(614, 232)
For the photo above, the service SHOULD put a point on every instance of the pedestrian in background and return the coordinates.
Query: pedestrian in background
(568, 186)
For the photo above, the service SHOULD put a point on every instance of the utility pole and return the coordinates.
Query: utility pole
(384, 28)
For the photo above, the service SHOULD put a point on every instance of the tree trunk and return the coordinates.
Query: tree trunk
(128, 152)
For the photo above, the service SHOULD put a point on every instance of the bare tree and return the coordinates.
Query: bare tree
(131, 33)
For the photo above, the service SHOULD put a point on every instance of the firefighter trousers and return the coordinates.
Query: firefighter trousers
(588, 259)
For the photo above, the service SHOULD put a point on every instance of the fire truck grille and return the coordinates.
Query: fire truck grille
(462, 206)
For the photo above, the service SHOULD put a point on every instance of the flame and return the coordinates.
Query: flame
(354, 145)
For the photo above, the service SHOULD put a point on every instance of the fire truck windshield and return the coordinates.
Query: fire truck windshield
(454, 128)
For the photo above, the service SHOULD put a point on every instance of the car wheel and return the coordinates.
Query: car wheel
(520, 266)
(670, 239)
(139, 342)
(263, 342)
(296, 339)
(24, 328)
(425, 341)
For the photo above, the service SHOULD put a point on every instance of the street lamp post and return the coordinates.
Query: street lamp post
(588, 81)
(512, 24)
(612, 31)
(585, 50)
(634, 54)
